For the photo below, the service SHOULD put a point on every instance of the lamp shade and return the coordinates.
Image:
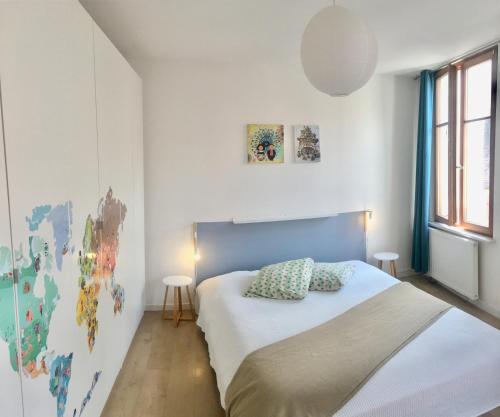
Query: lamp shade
(339, 51)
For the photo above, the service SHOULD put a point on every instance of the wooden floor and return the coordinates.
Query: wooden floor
(166, 374)
(167, 371)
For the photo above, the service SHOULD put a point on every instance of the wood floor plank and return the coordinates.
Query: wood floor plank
(167, 371)
(152, 397)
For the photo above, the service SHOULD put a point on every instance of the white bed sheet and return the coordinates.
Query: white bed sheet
(452, 369)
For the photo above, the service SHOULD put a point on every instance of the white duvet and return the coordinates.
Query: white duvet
(452, 369)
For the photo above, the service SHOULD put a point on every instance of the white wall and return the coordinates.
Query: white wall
(195, 117)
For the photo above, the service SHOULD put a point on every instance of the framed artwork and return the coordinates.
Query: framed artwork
(307, 145)
(265, 144)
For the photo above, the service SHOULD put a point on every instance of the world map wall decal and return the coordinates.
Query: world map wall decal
(36, 260)
(97, 263)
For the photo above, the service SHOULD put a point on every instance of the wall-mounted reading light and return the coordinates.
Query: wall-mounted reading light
(368, 220)
(197, 255)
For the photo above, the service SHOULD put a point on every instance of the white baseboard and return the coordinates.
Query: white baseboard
(486, 307)
(405, 273)
(478, 303)
(159, 307)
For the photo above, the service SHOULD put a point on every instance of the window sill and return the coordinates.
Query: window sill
(461, 232)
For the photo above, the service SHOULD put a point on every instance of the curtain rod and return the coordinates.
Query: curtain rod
(465, 55)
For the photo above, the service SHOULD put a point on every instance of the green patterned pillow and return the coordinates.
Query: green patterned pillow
(284, 281)
(330, 276)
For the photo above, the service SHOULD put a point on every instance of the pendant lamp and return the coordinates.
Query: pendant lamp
(338, 51)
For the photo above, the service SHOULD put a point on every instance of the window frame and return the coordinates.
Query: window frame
(451, 71)
(455, 167)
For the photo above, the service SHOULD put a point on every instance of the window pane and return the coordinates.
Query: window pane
(442, 99)
(478, 90)
(477, 172)
(442, 171)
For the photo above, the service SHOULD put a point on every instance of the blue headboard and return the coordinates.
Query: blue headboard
(226, 246)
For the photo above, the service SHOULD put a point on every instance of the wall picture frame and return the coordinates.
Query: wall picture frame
(307, 143)
(265, 143)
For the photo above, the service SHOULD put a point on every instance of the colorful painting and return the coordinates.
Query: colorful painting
(307, 144)
(265, 144)
(97, 264)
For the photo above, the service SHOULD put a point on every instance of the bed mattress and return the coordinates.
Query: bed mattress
(451, 369)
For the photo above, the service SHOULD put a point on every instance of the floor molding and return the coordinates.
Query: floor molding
(159, 307)
(477, 303)
(405, 273)
(486, 307)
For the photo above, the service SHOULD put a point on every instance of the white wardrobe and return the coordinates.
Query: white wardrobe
(71, 210)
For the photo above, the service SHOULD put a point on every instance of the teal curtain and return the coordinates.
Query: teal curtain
(420, 252)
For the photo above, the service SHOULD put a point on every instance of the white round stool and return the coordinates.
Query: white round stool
(391, 257)
(177, 281)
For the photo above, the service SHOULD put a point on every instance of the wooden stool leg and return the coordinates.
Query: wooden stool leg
(164, 314)
(175, 313)
(380, 265)
(190, 303)
(179, 307)
(393, 268)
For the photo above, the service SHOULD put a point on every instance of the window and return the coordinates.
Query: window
(464, 140)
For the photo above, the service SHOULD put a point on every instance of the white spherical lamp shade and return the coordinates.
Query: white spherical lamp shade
(339, 51)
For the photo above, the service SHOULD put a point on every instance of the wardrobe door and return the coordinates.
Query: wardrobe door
(10, 381)
(119, 127)
(47, 68)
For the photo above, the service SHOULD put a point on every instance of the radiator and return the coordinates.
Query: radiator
(454, 262)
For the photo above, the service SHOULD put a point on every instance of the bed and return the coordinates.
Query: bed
(451, 369)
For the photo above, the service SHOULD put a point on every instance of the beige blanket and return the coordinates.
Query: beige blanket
(314, 373)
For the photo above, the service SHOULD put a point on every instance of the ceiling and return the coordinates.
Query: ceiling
(411, 34)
